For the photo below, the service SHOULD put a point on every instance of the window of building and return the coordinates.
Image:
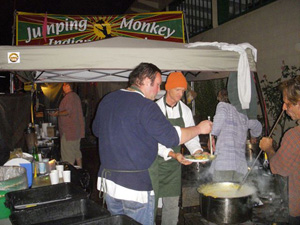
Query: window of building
(230, 9)
(197, 15)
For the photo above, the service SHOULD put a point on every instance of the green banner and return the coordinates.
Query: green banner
(52, 29)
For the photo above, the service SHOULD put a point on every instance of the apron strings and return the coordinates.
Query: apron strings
(104, 175)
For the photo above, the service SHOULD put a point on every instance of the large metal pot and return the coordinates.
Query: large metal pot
(252, 151)
(223, 203)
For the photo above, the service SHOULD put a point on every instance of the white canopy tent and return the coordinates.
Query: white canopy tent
(112, 60)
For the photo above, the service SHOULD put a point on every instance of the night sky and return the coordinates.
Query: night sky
(65, 7)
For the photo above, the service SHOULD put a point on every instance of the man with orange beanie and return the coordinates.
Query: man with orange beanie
(170, 159)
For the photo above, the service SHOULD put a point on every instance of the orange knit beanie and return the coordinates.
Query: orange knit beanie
(175, 80)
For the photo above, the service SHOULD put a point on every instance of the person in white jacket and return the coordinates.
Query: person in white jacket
(170, 159)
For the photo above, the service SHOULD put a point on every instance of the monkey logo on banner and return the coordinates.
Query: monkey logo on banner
(102, 29)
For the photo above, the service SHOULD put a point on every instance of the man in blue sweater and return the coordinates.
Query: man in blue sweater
(129, 126)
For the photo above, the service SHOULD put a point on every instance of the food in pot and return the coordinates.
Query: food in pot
(226, 190)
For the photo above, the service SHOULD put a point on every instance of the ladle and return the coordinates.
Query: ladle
(212, 156)
(210, 140)
(270, 134)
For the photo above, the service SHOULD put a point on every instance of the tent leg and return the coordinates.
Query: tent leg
(11, 81)
(262, 103)
(193, 102)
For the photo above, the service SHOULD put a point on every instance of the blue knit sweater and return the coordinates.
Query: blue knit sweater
(129, 128)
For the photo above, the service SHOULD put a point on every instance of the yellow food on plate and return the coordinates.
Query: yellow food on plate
(201, 157)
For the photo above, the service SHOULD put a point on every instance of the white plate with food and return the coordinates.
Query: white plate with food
(197, 158)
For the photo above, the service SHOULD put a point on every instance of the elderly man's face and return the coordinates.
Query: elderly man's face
(292, 110)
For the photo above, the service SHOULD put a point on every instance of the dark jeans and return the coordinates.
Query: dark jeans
(294, 220)
(142, 213)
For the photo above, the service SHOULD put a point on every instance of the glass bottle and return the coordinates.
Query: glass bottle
(35, 153)
(30, 138)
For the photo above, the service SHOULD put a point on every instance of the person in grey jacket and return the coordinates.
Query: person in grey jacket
(230, 127)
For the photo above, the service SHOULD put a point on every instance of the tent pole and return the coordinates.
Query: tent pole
(194, 101)
(14, 27)
(262, 103)
(11, 83)
(186, 28)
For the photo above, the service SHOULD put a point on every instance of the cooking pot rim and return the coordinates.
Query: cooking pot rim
(226, 183)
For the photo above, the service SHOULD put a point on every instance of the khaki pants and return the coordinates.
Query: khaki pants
(70, 150)
(170, 210)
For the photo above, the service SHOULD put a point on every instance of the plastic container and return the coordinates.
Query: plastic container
(28, 167)
(24, 162)
(113, 220)
(13, 178)
(75, 211)
(37, 197)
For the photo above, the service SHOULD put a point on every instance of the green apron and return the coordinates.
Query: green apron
(169, 172)
(153, 170)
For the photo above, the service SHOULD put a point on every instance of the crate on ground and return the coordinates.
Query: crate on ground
(75, 212)
(37, 197)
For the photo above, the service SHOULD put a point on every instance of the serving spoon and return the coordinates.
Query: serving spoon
(211, 156)
(253, 164)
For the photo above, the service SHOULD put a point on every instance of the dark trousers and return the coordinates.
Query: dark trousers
(294, 220)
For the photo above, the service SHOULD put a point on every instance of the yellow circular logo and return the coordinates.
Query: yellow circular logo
(13, 57)
(102, 29)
